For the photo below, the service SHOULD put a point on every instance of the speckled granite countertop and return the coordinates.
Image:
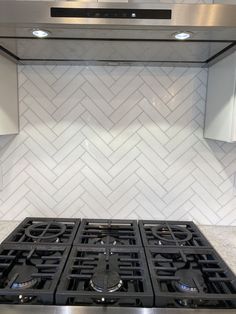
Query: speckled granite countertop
(222, 238)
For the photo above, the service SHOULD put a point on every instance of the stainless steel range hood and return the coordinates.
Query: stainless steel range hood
(102, 32)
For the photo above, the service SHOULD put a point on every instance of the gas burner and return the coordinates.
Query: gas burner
(193, 285)
(30, 273)
(103, 232)
(190, 285)
(106, 276)
(106, 281)
(46, 231)
(171, 234)
(107, 240)
(189, 280)
(24, 278)
(115, 276)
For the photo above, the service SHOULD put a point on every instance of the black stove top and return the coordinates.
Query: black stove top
(102, 232)
(45, 231)
(113, 263)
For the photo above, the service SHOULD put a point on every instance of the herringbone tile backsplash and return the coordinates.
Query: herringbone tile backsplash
(115, 142)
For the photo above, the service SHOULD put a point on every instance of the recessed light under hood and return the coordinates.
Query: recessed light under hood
(40, 33)
(104, 33)
(183, 35)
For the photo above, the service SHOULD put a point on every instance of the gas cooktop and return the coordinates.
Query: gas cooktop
(117, 263)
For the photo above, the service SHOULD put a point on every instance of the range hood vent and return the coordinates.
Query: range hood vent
(78, 32)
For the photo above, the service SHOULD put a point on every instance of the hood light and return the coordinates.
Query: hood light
(182, 35)
(40, 33)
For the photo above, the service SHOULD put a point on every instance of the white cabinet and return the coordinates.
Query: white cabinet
(9, 117)
(220, 120)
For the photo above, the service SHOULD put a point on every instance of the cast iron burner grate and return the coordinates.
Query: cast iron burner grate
(101, 232)
(190, 278)
(171, 233)
(105, 276)
(30, 274)
(44, 231)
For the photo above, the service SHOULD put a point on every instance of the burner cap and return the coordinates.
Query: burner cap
(188, 279)
(106, 281)
(163, 233)
(24, 279)
(45, 231)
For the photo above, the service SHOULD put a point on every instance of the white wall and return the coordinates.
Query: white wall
(121, 142)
